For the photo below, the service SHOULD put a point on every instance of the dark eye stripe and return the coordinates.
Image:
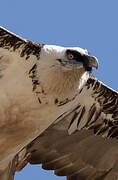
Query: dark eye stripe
(80, 58)
(76, 55)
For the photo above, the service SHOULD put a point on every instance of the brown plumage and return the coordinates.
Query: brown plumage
(54, 112)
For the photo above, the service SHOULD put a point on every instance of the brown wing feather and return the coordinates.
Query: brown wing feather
(71, 146)
(9, 171)
(13, 43)
(14, 48)
(102, 114)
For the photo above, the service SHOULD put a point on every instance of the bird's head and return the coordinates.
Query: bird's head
(69, 58)
(63, 71)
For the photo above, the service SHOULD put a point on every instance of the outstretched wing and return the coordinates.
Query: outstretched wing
(82, 145)
(14, 43)
(8, 172)
(13, 47)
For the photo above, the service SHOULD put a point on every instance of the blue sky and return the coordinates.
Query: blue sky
(89, 24)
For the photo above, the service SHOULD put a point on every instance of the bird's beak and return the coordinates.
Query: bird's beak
(93, 62)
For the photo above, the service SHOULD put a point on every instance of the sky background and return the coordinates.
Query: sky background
(90, 24)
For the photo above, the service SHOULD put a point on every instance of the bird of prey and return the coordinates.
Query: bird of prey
(53, 111)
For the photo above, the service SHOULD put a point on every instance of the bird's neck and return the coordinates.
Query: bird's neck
(60, 84)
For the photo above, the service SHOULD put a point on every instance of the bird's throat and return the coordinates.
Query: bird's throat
(59, 84)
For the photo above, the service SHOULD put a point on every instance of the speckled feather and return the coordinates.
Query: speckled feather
(65, 120)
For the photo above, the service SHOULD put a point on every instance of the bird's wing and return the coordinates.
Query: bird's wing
(14, 43)
(14, 47)
(9, 172)
(82, 145)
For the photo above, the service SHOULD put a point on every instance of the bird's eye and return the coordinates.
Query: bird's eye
(70, 56)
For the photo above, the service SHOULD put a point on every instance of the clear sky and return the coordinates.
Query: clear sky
(90, 24)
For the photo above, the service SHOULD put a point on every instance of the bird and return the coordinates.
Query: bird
(54, 112)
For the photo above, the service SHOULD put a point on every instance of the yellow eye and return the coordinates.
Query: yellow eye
(70, 56)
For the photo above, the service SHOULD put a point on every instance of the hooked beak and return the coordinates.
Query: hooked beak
(93, 62)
